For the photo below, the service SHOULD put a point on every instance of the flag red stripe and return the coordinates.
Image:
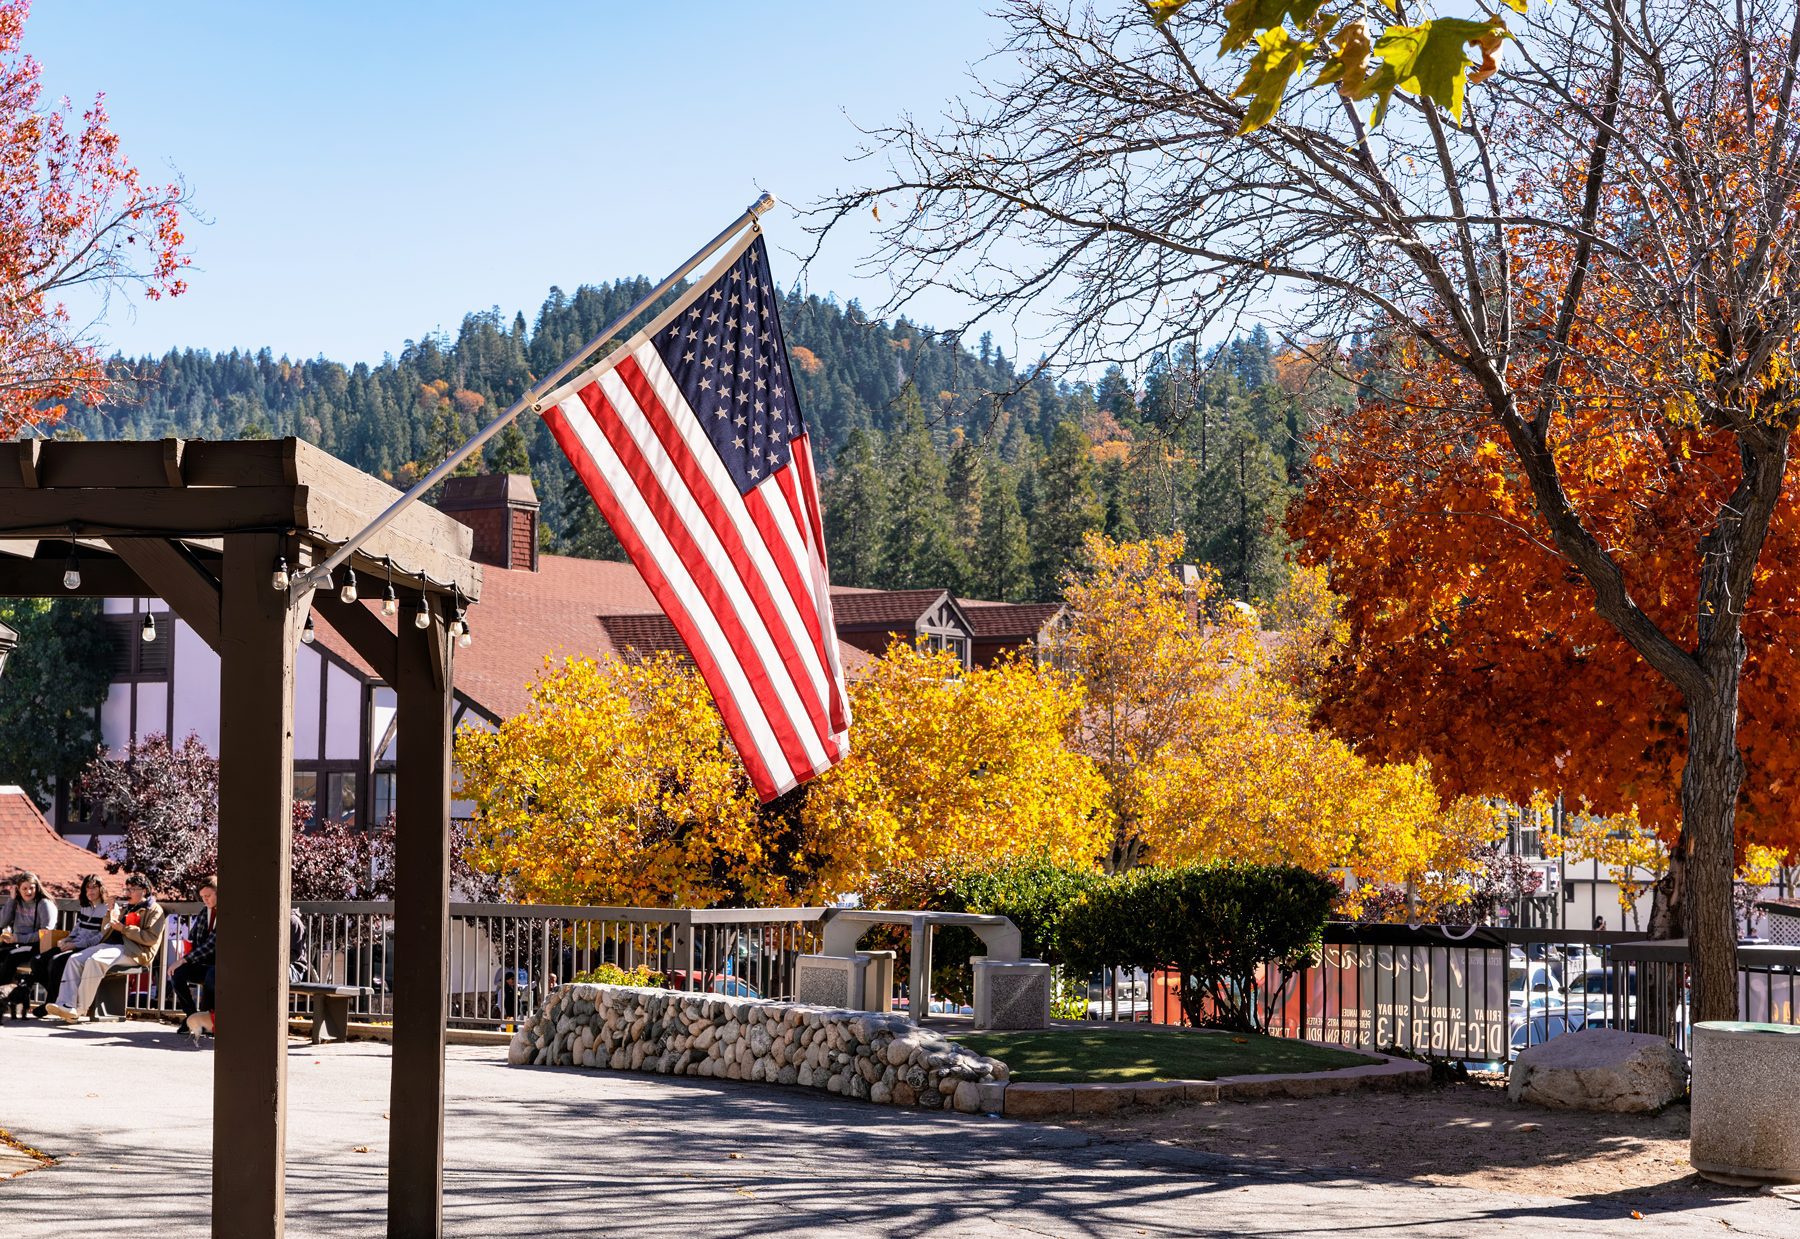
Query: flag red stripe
(809, 521)
(758, 505)
(706, 581)
(761, 777)
(681, 456)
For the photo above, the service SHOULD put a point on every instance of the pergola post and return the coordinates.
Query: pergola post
(259, 630)
(423, 686)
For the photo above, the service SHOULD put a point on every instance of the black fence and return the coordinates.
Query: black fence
(1480, 995)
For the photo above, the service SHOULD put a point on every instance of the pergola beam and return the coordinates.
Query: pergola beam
(101, 577)
(150, 512)
(363, 629)
(176, 577)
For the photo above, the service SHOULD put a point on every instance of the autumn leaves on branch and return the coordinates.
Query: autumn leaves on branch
(75, 215)
(1157, 727)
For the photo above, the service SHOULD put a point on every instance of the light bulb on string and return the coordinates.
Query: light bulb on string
(72, 570)
(308, 634)
(390, 601)
(423, 618)
(347, 594)
(278, 579)
(149, 629)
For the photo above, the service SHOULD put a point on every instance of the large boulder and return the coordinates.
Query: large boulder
(1600, 1069)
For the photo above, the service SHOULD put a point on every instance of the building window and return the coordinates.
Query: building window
(135, 659)
(959, 646)
(329, 792)
(383, 799)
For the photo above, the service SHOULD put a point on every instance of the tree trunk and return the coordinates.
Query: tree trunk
(1707, 860)
(1668, 897)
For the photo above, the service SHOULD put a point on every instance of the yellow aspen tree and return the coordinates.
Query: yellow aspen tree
(955, 767)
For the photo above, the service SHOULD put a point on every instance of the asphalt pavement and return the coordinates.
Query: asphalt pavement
(540, 1152)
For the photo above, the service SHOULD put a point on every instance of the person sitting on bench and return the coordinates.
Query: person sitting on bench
(23, 915)
(199, 970)
(90, 921)
(131, 939)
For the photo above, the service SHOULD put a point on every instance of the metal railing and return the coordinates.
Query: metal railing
(506, 958)
(1480, 995)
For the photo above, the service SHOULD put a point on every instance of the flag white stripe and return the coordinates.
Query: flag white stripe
(663, 468)
(680, 578)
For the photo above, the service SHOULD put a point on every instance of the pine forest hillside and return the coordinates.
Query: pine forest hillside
(943, 466)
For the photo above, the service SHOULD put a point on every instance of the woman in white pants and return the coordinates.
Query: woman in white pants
(131, 938)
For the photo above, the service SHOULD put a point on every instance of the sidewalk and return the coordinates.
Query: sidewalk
(547, 1153)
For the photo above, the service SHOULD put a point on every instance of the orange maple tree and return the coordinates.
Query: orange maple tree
(74, 213)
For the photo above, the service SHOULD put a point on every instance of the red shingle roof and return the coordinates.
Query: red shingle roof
(1007, 619)
(28, 844)
(882, 608)
(568, 608)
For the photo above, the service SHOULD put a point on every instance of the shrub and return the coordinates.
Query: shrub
(1036, 894)
(1213, 926)
(612, 974)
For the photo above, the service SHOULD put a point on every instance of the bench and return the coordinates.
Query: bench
(331, 1007)
(115, 988)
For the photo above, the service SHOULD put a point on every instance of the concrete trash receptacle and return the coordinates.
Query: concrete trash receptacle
(1746, 1102)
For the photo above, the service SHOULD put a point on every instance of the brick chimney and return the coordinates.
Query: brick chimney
(503, 512)
(1189, 577)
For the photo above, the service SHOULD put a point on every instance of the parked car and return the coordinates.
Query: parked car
(1539, 1028)
(1534, 984)
(728, 984)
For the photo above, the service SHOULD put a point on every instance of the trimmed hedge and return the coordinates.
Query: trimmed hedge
(1213, 926)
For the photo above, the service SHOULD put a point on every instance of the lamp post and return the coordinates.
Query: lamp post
(9, 641)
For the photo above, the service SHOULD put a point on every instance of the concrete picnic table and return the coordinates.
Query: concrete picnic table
(844, 926)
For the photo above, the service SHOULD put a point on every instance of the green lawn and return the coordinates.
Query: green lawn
(1095, 1056)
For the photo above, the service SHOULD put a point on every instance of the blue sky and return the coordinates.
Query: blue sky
(372, 171)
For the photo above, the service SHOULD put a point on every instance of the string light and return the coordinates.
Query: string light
(390, 601)
(347, 594)
(308, 634)
(279, 579)
(72, 569)
(423, 618)
(149, 630)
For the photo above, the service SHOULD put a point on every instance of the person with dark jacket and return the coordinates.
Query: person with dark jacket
(199, 969)
(298, 967)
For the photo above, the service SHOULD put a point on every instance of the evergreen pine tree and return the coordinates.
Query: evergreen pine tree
(1242, 498)
(507, 453)
(1001, 568)
(919, 548)
(968, 473)
(1066, 508)
(855, 504)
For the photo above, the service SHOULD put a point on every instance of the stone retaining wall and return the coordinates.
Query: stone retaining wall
(878, 1058)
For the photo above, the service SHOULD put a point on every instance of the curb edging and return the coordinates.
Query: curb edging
(1028, 1100)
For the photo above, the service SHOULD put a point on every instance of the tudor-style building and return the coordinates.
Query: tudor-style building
(533, 607)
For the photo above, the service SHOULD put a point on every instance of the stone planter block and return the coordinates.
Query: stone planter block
(1746, 1102)
(1011, 993)
(878, 980)
(831, 980)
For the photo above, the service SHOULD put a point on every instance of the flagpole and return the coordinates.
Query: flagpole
(318, 575)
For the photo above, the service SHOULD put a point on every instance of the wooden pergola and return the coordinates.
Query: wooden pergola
(203, 526)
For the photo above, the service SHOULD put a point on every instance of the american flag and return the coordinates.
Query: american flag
(690, 439)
